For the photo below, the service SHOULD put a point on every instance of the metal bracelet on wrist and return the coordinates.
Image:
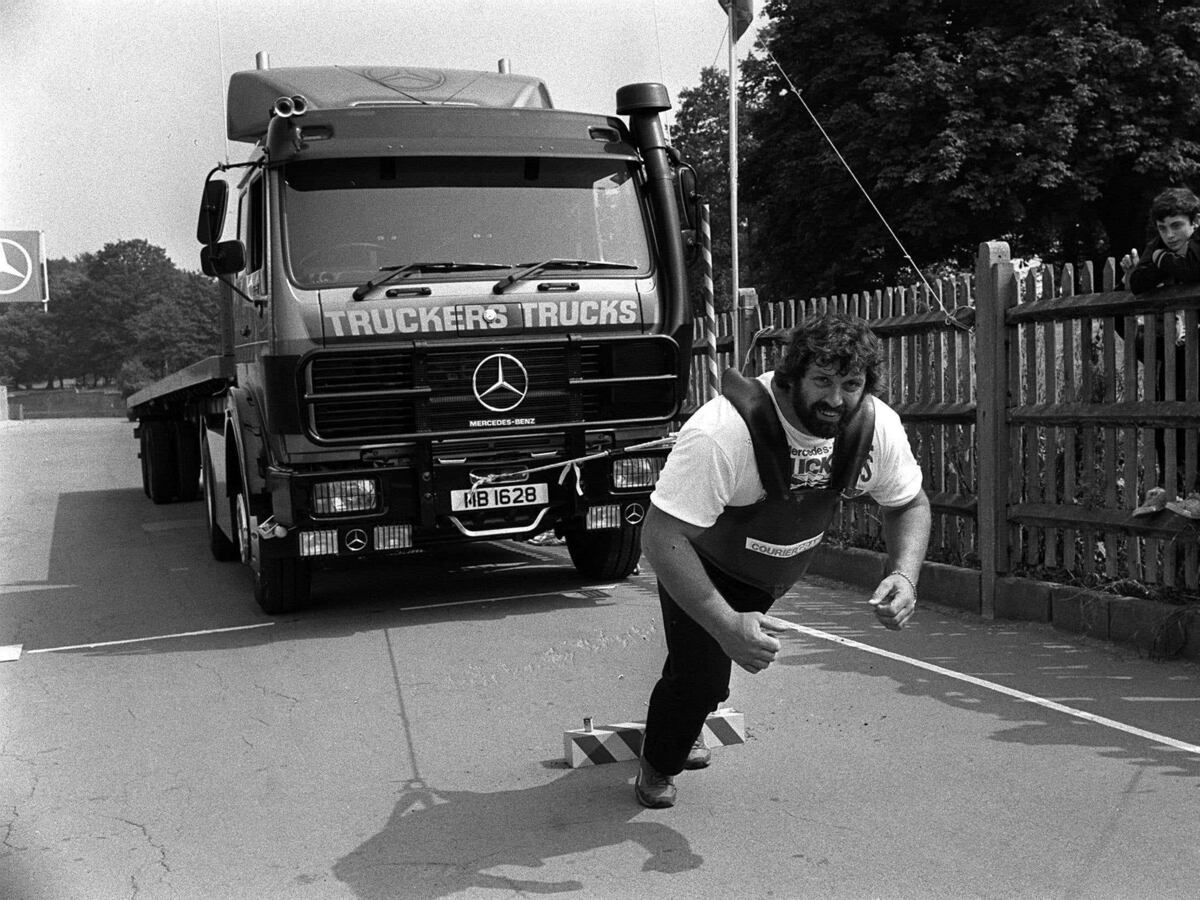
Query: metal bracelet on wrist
(911, 583)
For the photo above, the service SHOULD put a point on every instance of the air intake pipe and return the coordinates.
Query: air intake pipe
(283, 133)
(642, 103)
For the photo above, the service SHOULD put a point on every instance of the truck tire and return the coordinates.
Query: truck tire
(223, 549)
(159, 461)
(612, 553)
(280, 585)
(187, 459)
(142, 454)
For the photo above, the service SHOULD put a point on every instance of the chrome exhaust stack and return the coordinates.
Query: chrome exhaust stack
(286, 107)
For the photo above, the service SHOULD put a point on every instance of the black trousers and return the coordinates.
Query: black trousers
(695, 677)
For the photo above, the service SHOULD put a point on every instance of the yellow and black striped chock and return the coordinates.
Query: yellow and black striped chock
(588, 746)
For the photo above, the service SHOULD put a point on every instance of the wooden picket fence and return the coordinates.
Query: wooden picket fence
(1034, 427)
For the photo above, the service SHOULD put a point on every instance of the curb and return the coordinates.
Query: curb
(1154, 629)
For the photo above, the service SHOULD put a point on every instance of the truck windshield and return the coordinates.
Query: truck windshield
(345, 219)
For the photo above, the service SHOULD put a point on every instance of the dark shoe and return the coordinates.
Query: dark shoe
(699, 756)
(1156, 501)
(653, 789)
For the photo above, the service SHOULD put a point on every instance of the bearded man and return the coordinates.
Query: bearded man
(751, 485)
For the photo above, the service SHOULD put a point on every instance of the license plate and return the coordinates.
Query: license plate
(498, 496)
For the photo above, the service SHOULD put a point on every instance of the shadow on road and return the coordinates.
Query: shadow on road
(439, 843)
(122, 568)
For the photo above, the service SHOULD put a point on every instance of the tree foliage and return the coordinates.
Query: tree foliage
(701, 135)
(25, 343)
(123, 310)
(1047, 123)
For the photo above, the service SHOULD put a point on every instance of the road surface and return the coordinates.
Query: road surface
(401, 736)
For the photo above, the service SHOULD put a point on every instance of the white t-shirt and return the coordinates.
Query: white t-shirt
(712, 464)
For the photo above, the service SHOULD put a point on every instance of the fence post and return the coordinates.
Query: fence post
(996, 291)
(748, 315)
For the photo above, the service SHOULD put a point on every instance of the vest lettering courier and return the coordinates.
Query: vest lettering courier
(769, 544)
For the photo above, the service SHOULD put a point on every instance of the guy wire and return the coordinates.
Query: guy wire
(932, 293)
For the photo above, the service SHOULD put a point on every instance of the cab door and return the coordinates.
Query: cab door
(250, 315)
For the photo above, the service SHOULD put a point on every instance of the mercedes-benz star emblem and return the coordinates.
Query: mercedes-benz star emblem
(15, 268)
(356, 540)
(634, 513)
(500, 382)
(404, 80)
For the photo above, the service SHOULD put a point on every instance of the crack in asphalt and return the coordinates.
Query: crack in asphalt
(160, 850)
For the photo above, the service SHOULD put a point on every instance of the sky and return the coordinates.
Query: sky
(112, 111)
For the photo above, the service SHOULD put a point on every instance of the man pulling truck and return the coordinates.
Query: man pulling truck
(742, 503)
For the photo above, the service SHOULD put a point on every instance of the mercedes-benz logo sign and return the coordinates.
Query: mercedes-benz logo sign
(500, 382)
(356, 540)
(16, 267)
(634, 513)
(404, 80)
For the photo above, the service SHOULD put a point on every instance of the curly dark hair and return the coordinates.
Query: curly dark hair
(1176, 201)
(836, 341)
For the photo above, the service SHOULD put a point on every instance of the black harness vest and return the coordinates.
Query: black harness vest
(769, 544)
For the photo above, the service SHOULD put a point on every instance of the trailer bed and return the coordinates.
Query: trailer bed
(205, 378)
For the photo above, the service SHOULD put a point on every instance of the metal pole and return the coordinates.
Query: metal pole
(733, 187)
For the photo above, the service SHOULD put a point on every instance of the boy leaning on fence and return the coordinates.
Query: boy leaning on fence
(1173, 257)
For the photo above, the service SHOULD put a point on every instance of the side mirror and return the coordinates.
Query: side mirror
(687, 195)
(212, 211)
(225, 258)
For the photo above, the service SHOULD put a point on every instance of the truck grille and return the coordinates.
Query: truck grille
(414, 391)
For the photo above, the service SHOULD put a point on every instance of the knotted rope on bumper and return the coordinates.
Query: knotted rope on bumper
(571, 465)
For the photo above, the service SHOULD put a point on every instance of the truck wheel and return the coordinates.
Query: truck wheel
(223, 549)
(187, 459)
(280, 585)
(142, 454)
(605, 554)
(158, 458)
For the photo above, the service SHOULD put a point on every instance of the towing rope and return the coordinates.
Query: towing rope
(572, 465)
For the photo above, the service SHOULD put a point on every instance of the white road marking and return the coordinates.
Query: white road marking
(23, 588)
(1002, 689)
(1163, 699)
(157, 637)
(592, 592)
(588, 593)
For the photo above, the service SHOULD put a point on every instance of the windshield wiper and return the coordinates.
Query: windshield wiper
(394, 272)
(532, 269)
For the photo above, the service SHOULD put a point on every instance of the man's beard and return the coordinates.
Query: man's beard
(819, 427)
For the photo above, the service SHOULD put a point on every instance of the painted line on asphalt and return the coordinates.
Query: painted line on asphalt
(1002, 689)
(593, 592)
(157, 637)
(589, 593)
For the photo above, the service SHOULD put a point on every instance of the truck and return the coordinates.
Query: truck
(450, 312)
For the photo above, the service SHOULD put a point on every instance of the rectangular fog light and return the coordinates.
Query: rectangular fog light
(393, 537)
(318, 543)
(331, 498)
(636, 472)
(607, 516)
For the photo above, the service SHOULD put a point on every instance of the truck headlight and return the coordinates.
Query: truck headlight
(636, 472)
(331, 498)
